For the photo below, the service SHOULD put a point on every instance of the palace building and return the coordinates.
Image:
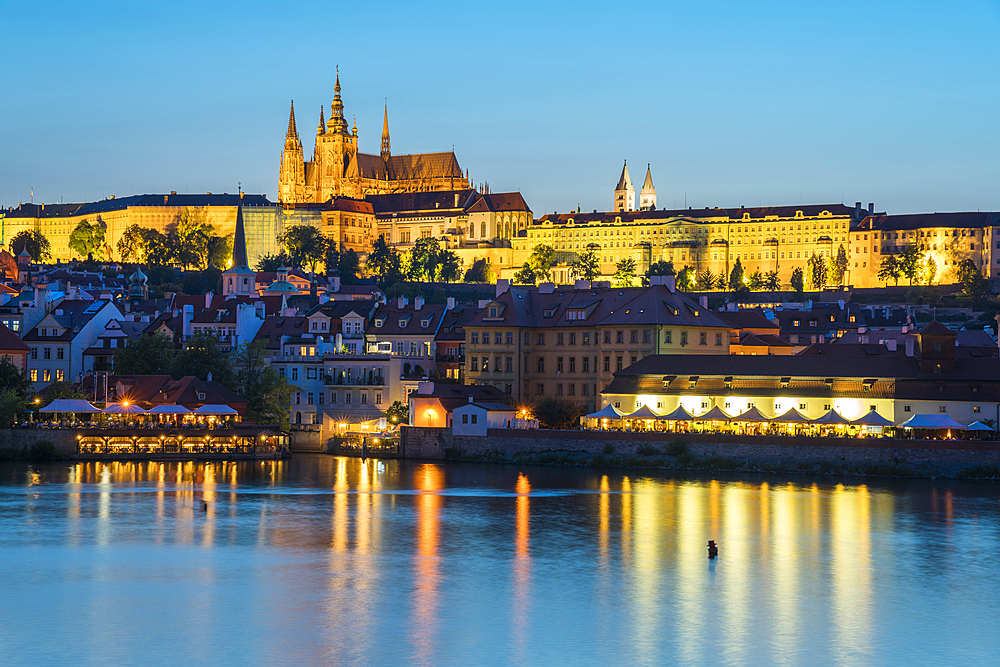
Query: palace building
(339, 169)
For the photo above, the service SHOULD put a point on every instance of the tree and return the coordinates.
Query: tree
(381, 260)
(587, 265)
(143, 246)
(448, 268)
(756, 281)
(685, 279)
(12, 378)
(87, 240)
(479, 272)
(11, 404)
(331, 257)
(817, 271)
(424, 258)
(706, 280)
(220, 251)
(145, 355)
(909, 262)
(201, 356)
(541, 260)
(658, 268)
(58, 390)
(556, 413)
(772, 281)
(349, 266)
(526, 276)
(272, 263)
(36, 244)
(305, 245)
(269, 396)
(187, 242)
(736, 277)
(798, 280)
(974, 285)
(625, 272)
(398, 413)
(890, 269)
(838, 267)
(929, 271)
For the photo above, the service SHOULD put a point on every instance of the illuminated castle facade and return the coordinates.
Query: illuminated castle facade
(339, 169)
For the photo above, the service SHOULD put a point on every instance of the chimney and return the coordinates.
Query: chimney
(703, 301)
(656, 280)
(418, 302)
(450, 304)
(871, 208)
(334, 284)
(39, 297)
(401, 302)
(671, 283)
(425, 388)
(581, 285)
(503, 284)
(840, 302)
(546, 288)
(186, 331)
(208, 300)
(909, 346)
(471, 399)
(890, 344)
(857, 210)
(209, 376)
(323, 298)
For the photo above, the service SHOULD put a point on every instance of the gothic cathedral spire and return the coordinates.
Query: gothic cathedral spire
(240, 241)
(624, 193)
(337, 123)
(321, 128)
(292, 135)
(647, 196)
(385, 133)
(291, 177)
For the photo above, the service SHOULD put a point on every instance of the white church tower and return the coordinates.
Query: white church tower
(647, 196)
(624, 193)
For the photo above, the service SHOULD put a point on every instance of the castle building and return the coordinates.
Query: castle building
(339, 169)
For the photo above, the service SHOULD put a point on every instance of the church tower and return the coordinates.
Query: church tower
(336, 155)
(647, 196)
(291, 177)
(385, 134)
(239, 279)
(624, 193)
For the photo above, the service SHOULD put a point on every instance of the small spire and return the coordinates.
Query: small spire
(336, 86)
(321, 128)
(293, 132)
(240, 241)
(385, 133)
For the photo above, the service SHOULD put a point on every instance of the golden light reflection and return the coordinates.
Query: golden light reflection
(626, 555)
(851, 571)
(603, 514)
(684, 520)
(522, 568)
(429, 479)
(737, 554)
(786, 579)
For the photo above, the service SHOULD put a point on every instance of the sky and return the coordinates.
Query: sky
(732, 103)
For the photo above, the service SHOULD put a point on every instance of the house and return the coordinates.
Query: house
(432, 403)
(474, 418)
(13, 348)
(99, 356)
(407, 331)
(151, 390)
(58, 341)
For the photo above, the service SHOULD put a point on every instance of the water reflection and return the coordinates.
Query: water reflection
(337, 561)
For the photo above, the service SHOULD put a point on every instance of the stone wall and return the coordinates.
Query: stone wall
(18, 441)
(435, 443)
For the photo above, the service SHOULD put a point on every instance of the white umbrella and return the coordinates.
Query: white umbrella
(607, 412)
(215, 410)
(978, 426)
(932, 422)
(124, 409)
(70, 405)
(169, 410)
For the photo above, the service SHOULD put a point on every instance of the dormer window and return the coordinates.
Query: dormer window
(493, 312)
(549, 312)
(425, 323)
(378, 322)
(402, 324)
(45, 332)
(201, 396)
(795, 323)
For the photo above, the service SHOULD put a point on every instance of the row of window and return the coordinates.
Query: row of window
(566, 389)
(47, 352)
(46, 375)
(318, 398)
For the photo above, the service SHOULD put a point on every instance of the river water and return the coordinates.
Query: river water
(331, 561)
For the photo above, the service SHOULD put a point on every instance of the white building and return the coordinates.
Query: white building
(58, 341)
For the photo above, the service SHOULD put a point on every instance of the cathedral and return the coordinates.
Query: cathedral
(338, 169)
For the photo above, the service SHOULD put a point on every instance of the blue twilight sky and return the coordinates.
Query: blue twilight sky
(732, 102)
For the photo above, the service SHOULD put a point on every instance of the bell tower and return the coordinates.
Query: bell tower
(291, 176)
(624, 192)
(336, 154)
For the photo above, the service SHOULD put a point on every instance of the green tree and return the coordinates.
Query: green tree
(145, 355)
(929, 271)
(57, 390)
(187, 241)
(479, 272)
(624, 272)
(269, 396)
(685, 279)
(817, 271)
(12, 403)
(526, 276)
(756, 281)
(398, 413)
(736, 277)
(890, 269)
(838, 267)
(202, 355)
(587, 265)
(798, 280)
(37, 245)
(424, 258)
(974, 285)
(541, 260)
(658, 268)
(349, 267)
(87, 240)
(706, 280)
(272, 263)
(305, 245)
(381, 260)
(220, 251)
(331, 257)
(909, 262)
(143, 246)
(448, 268)
(12, 378)
(772, 281)
(556, 413)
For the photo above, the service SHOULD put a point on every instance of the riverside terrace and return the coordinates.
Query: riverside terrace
(934, 386)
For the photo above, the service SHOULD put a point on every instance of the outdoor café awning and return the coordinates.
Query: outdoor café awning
(215, 410)
(875, 419)
(978, 426)
(831, 418)
(123, 409)
(644, 413)
(751, 415)
(70, 405)
(607, 412)
(932, 422)
(169, 410)
(793, 416)
(679, 415)
(714, 415)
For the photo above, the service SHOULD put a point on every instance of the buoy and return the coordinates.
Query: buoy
(713, 549)
(204, 506)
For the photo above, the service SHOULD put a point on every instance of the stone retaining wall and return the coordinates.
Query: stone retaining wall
(435, 443)
(18, 441)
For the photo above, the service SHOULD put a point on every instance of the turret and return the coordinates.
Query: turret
(624, 192)
(337, 123)
(385, 134)
(321, 128)
(647, 196)
(239, 279)
(292, 175)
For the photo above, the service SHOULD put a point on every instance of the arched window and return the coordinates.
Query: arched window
(298, 417)
(482, 232)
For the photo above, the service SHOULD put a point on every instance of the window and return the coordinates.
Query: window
(718, 339)
(509, 365)
(942, 408)
(298, 398)
(559, 390)
(47, 353)
(586, 365)
(975, 408)
(620, 337)
(527, 338)
(586, 337)
(541, 339)
(632, 359)
(497, 338)
(309, 398)
(572, 364)
(364, 397)
(496, 363)
(802, 406)
(310, 373)
(465, 419)
(473, 363)
(607, 364)
(475, 338)
(618, 363)
(541, 364)
(572, 339)
(633, 337)
(906, 408)
(348, 396)
(585, 389)
(646, 336)
(295, 372)
(475, 418)
(510, 338)
(684, 338)
(320, 396)
(34, 375)
(559, 364)
(667, 337)
(281, 371)
(539, 389)
(702, 338)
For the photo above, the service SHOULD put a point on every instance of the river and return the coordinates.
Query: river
(331, 561)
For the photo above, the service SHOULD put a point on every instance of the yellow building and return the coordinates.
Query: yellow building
(339, 169)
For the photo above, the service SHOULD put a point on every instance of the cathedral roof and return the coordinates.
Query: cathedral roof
(372, 166)
(647, 186)
(422, 201)
(410, 167)
(498, 202)
(624, 183)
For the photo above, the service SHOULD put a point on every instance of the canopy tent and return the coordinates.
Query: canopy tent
(123, 409)
(793, 416)
(831, 418)
(938, 421)
(751, 415)
(215, 410)
(607, 412)
(169, 410)
(978, 426)
(70, 405)
(643, 413)
(873, 419)
(714, 415)
(679, 415)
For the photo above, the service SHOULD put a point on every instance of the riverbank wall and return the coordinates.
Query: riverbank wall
(23, 443)
(440, 444)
